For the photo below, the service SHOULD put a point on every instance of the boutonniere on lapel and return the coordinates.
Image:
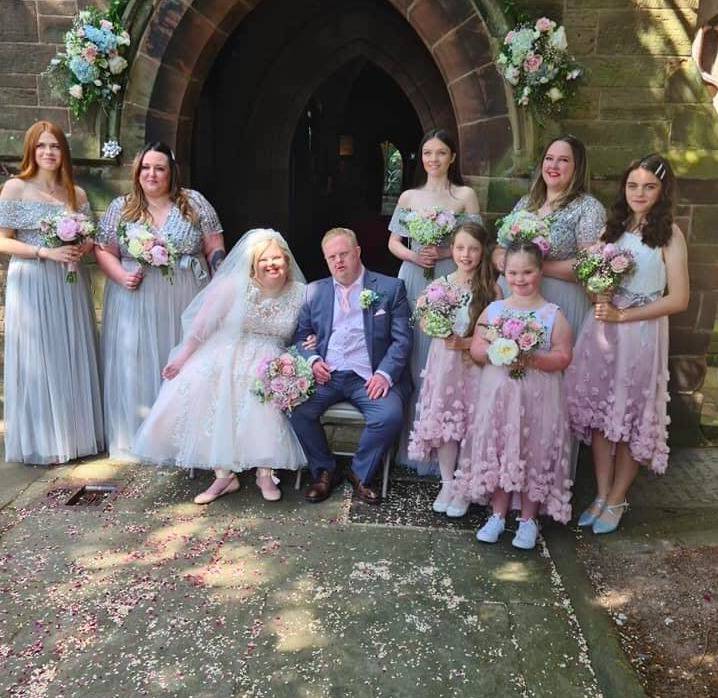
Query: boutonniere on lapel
(368, 298)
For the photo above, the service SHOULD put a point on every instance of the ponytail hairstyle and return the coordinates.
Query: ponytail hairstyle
(483, 283)
(29, 166)
(136, 208)
(526, 247)
(658, 226)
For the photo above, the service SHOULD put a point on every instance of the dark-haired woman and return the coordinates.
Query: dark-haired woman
(617, 386)
(575, 220)
(53, 405)
(142, 309)
(441, 191)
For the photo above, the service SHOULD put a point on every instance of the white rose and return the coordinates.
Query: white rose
(558, 39)
(76, 91)
(123, 39)
(117, 65)
(503, 352)
(555, 94)
(115, 87)
(512, 75)
(98, 83)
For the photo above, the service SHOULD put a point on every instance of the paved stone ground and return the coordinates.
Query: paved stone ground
(151, 595)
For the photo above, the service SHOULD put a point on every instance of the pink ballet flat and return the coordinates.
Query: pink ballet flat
(220, 487)
(267, 483)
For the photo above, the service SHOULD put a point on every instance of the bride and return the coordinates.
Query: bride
(205, 415)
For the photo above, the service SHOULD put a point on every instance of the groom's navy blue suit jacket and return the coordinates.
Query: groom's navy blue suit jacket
(386, 325)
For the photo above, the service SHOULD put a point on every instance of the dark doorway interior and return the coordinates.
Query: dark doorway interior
(309, 119)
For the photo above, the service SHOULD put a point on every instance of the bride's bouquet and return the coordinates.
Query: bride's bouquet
(600, 267)
(284, 381)
(524, 226)
(511, 339)
(147, 249)
(67, 228)
(437, 306)
(429, 227)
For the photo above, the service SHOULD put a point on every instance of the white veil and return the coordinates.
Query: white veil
(225, 298)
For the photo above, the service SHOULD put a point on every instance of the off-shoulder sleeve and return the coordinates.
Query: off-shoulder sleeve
(591, 221)
(396, 224)
(10, 214)
(110, 221)
(209, 222)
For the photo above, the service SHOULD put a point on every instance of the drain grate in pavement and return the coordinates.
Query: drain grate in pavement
(92, 495)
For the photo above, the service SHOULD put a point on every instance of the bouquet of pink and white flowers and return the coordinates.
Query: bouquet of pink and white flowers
(67, 228)
(534, 60)
(285, 381)
(526, 227)
(147, 249)
(437, 306)
(600, 267)
(429, 227)
(512, 338)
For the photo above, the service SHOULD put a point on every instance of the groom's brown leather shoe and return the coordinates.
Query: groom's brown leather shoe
(364, 492)
(321, 488)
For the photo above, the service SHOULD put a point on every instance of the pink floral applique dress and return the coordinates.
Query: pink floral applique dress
(448, 395)
(519, 438)
(618, 381)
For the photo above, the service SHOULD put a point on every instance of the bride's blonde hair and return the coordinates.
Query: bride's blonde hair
(262, 246)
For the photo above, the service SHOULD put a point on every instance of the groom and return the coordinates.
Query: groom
(361, 320)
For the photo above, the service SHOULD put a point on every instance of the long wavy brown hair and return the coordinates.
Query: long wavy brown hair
(658, 226)
(483, 283)
(136, 208)
(578, 183)
(29, 166)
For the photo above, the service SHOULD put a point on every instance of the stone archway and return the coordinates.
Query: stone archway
(183, 37)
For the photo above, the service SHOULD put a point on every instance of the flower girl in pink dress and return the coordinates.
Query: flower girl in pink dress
(617, 385)
(449, 379)
(516, 450)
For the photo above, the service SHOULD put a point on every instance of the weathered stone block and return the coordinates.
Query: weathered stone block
(15, 118)
(656, 32)
(685, 85)
(703, 276)
(641, 137)
(581, 31)
(216, 11)
(504, 193)
(46, 96)
(640, 104)
(22, 60)
(688, 343)
(464, 50)
(171, 88)
(163, 24)
(17, 96)
(53, 29)
(192, 41)
(708, 316)
(625, 71)
(695, 163)
(689, 317)
(19, 21)
(639, 4)
(704, 227)
(687, 373)
(480, 94)
(486, 147)
(585, 105)
(542, 8)
(65, 8)
(433, 20)
(684, 411)
(11, 144)
(694, 124)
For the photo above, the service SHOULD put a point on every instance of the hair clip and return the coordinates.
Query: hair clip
(660, 171)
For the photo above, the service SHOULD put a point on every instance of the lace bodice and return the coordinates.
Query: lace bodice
(273, 318)
(185, 236)
(648, 280)
(578, 224)
(397, 226)
(24, 218)
(546, 315)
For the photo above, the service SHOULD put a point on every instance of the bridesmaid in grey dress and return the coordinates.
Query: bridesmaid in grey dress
(575, 220)
(142, 308)
(53, 404)
(442, 189)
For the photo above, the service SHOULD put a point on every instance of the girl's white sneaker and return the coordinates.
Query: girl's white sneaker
(492, 529)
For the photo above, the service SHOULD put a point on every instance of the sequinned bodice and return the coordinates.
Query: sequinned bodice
(575, 225)
(24, 218)
(546, 315)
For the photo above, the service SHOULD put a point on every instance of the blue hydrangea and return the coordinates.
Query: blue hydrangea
(102, 38)
(82, 70)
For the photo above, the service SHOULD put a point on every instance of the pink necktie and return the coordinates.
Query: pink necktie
(344, 298)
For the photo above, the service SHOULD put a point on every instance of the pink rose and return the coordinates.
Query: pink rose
(68, 229)
(619, 263)
(527, 341)
(544, 24)
(106, 25)
(609, 250)
(542, 243)
(302, 385)
(90, 53)
(510, 37)
(435, 293)
(533, 63)
(159, 256)
(278, 385)
(287, 370)
(513, 327)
